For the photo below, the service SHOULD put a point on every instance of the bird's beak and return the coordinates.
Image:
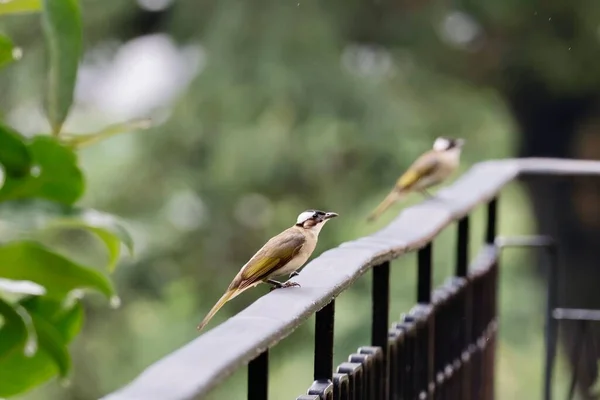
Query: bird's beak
(460, 142)
(329, 215)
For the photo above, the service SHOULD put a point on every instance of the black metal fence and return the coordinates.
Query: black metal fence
(443, 348)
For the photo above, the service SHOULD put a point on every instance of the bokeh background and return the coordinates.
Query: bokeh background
(270, 107)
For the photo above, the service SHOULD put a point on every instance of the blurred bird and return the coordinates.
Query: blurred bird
(282, 255)
(430, 169)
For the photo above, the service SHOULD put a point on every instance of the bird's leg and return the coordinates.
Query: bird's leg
(274, 284)
(425, 193)
(293, 274)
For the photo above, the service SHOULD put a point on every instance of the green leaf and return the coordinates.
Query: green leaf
(55, 174)
(29, 217)
(105, 227)
(52, 343)
(21, 287)
(86, 139)
(61, 20)
(60, 276)
(67, 317)
(17, 334)
(19, 6)
(20, 373)
(112, 243)
(8, 51)
(56, 326)
(13, 291)
(14, 155)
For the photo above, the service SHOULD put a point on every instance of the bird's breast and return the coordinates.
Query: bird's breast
(298, 261)
(446, 167)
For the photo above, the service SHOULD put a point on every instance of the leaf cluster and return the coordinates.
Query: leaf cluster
(41, 181)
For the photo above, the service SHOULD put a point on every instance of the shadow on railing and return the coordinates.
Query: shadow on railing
(442, 349)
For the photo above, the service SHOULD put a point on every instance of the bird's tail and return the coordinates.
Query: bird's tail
(229, 294)
(391, 198)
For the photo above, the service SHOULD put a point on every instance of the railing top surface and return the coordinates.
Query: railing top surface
(196, 368)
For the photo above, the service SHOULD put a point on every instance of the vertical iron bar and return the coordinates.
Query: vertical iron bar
(462, 378)
(462, 247)
(258, 377)
(578, 348)
(486, 367)
(492, 220)
(380, 320)
(323, 368)
(424, 275)
(551, 334)
(411, 358)
(426, 326)
(476, 330)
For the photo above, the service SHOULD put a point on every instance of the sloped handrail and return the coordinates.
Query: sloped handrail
(198, 367)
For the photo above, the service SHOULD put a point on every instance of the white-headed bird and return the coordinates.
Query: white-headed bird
(430, 169)
(282, 255)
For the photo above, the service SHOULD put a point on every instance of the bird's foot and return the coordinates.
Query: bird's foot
(290, 284)
(293, 274)
(285, 285)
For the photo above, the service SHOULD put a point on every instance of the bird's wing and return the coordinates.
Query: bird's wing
(422, 167)
(275, 254)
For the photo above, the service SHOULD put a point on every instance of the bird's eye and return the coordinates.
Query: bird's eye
(315, 215)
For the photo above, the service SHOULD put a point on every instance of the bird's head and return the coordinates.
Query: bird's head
(314, 219)
(446, 144)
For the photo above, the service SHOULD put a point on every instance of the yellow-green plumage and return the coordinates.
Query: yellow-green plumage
(281, 255)
(430, 169)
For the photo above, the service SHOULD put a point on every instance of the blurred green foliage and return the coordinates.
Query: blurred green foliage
(6, 50)
(40, 287)
(284, 111)
(61, 21)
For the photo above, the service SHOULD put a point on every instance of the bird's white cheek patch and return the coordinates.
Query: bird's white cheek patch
(303, 217)
(441, 144)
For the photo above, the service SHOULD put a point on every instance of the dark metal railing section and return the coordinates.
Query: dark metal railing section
(443, 348)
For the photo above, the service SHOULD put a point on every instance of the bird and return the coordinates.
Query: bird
(282, 255)
(430, 169)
